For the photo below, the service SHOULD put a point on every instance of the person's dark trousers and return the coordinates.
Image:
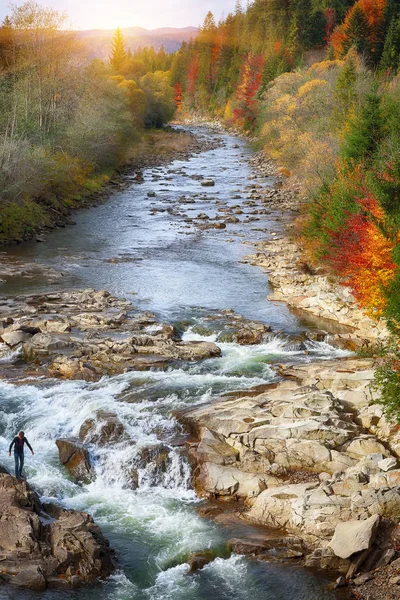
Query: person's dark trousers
(19, 464)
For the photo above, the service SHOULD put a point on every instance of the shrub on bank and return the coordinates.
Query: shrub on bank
(20, 220)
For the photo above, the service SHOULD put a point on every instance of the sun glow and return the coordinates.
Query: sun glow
(153, 14)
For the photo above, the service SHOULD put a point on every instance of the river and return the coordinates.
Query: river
(140, 247)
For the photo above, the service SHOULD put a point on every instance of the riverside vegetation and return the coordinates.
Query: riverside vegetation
(57, 145)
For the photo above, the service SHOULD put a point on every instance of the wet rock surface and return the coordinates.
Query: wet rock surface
(87, 334)
(105, 428)
(198, 560)
(45, 546)
(76, 459)
(230, 327)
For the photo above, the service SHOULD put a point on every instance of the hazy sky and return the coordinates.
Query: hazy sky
(93, 14)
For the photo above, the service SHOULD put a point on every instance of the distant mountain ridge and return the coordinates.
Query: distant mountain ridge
(99, 40)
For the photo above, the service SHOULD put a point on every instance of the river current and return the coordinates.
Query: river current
(140, 247)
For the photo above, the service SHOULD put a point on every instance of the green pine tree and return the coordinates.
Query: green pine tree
(345, 94)
(118, 54)
(366, 130)
(391, 52)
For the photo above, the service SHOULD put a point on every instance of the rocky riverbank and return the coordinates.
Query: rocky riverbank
(43, 546)
(294, 281)
(313, 456)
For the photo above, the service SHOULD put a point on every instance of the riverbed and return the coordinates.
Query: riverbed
(145, 244)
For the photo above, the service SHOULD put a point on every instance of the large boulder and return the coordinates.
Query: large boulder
(13, 338)
(193, 351)
(150, 465)
(105, 428)
(354, 536)
(76, 459)
(47, 546)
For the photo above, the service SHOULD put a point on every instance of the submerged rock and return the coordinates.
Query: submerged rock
(152, 462)
(198, 560)
(46, 546)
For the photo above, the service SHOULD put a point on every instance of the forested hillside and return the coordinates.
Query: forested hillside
(227, 66)
(170, 39)
(66, 122)
(317, 82)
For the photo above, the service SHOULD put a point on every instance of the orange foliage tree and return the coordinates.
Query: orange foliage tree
(364, 255)
(361, 28)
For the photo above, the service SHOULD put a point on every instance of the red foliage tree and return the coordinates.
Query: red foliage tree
(178, 95)
(363, 255)
(192, 73)
(331, 19)
(245, 112)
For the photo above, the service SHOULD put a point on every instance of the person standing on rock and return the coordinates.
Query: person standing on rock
(18, 442)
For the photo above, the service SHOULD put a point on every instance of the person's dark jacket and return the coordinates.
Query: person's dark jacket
(18, 444)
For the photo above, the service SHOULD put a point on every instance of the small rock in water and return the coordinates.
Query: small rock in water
(198, 560)
(340, 582)
(208, 183)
